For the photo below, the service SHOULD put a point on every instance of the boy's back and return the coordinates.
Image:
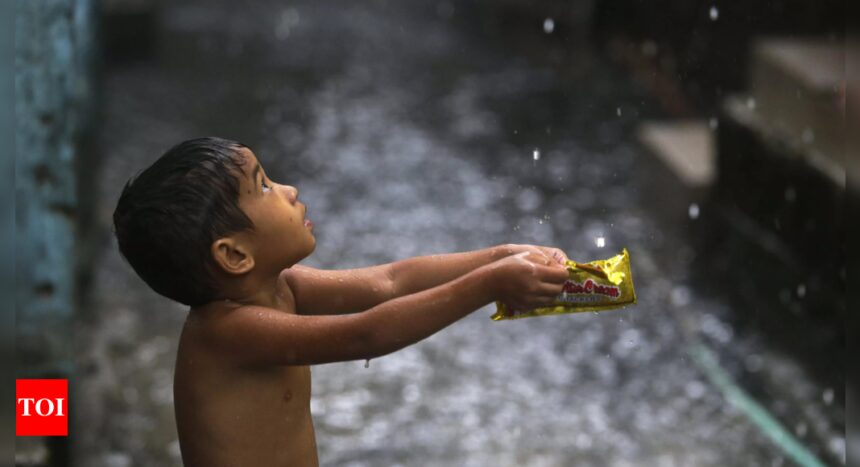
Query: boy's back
(235, 415)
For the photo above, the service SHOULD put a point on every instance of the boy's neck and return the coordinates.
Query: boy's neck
(260, 290)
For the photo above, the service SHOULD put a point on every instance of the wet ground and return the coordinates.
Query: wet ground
(409, 131)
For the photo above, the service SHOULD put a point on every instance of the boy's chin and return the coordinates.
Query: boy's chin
(312, 245)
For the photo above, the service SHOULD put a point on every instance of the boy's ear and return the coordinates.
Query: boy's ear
(232, 255)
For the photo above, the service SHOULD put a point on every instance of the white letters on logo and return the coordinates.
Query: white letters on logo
(40, 410)
(27, 401)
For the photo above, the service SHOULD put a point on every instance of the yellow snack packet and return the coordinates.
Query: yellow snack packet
(596, 286)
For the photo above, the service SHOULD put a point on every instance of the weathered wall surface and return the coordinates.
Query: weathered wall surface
(53, 88)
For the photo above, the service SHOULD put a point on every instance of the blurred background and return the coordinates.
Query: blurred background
(707, 137)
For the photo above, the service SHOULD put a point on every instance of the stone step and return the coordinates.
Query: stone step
(677, 174)
(686, 147)
(790, 190)
(796, 86)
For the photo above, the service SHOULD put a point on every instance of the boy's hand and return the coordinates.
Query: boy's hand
(550, 252)
(528, 279)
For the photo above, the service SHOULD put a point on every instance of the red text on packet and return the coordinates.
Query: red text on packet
(591, 287)
(41, 407)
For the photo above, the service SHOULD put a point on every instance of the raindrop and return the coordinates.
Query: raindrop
(367, 363)
(808, 136)
(540, 221)
(680, 296)
(600, 242)
(790, 194)
(827, 396)
(693, 211)
(751, 103)
(801, 290)
(288, 20)
(618, 111)
(837, 445)
(713, 123)
(536, 154)
(548, 25)
(714, 13)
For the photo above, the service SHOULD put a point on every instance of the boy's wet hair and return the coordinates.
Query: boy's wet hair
(169, 215)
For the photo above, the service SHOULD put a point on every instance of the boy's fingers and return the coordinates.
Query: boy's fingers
(556, 254)
(535, 256)
(553, 273)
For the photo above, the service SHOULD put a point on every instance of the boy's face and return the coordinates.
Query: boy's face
(282, 233)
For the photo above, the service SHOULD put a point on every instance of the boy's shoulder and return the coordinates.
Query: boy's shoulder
(217, 308)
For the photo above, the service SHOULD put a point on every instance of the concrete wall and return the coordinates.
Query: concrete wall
(53, 102)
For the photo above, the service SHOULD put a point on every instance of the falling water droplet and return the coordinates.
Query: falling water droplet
(808, 136)
(693, 211)
(548, 25)
(827, 396)
(618, 111)
(715, 13)
(801, 290)
(536, 154)
(600, 242)
(713, 123)
(367, 363)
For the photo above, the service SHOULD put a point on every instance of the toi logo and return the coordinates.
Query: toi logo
(42, 407)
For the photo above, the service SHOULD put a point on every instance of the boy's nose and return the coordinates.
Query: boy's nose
(294, 193)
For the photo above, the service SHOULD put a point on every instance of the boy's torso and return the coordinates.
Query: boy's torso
(231, 415)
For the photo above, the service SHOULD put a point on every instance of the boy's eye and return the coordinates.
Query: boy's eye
(266, 187)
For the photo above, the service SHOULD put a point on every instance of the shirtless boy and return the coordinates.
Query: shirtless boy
(205, 226)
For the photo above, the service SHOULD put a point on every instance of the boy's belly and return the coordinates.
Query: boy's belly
(252, 417)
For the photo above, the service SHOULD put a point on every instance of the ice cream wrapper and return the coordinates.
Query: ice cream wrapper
(596, 286)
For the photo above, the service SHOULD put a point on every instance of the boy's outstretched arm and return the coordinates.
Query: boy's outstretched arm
(253, 335)
(352, 290)
(423, 272)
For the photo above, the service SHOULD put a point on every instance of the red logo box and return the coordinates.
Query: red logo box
(42, 407)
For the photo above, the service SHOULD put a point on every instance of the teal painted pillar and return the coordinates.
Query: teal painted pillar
(53, 87)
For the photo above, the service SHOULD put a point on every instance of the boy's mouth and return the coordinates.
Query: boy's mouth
(308, 223)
